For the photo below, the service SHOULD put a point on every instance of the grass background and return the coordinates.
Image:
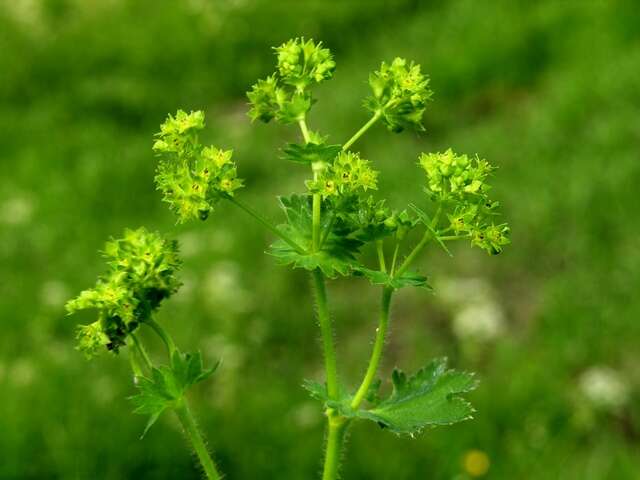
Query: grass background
(548, 91)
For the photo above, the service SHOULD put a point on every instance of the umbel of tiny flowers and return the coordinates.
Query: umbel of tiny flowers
(141, 273)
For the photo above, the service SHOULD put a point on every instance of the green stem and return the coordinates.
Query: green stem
(162, 333)
(336, 428)
(305, 130)
(453, 237)
(133, 360)
(326, 331)
(327, 231)
(191, 429)
(376, 116)
(247, 209)
(378, 346)
(414, 253)
(142, 352)
(395, 258)
(380, 250)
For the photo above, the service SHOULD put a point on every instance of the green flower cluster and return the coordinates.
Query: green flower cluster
(192, 178)
(400, 94)
(284, 95)
(348, 174)
(458, 184)
(141, 274)
(452, 176)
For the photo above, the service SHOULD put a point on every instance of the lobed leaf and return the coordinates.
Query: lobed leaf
(168, 384)
(428, 398)
(337, 255)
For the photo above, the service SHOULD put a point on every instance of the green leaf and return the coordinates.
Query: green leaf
(310, 153)
(317, 390)
(337, 255)
(429, 398)
(167, 385)
(407, 279)
(341, 405)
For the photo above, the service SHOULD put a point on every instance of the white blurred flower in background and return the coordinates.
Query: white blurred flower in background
(476, 314)
(604, 387)
(16, 210)
(191, 244)
(54, 293)
(223, 289)
(482, 321)
(28, 13)
(22, 372)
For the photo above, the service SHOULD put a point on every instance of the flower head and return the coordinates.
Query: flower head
(301, 63)
(141, 273)
(459, 184)
(193, 178)
(400, 92)
(284, 95)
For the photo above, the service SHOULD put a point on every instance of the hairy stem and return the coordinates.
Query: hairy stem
(191, 429)
(376, 116)
(326, 331)
(378, 347)
(265, 223)
(336, 429)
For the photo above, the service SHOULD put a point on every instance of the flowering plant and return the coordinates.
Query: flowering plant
(326, 230)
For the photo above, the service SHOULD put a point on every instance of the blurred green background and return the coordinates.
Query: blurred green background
(548, 91)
